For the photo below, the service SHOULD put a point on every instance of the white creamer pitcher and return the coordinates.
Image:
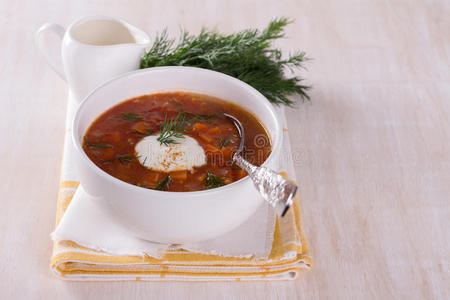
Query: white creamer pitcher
(93, 50)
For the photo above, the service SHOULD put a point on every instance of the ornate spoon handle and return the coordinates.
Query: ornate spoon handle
(273, 187)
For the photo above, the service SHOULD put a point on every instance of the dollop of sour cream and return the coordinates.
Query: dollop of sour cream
(184, 155)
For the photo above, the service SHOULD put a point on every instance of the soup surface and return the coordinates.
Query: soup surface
(174, 141)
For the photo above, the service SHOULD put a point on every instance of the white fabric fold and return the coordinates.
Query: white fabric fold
(85, 224)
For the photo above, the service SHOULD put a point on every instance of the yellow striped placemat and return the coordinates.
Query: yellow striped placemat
(289, 254)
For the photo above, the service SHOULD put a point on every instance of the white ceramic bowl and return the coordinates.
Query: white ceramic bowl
(173, 217)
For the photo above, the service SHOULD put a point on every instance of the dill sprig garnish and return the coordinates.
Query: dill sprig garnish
(96, 145)
(213, 181)
(193, 117)
(131, 117)
(223, 142)
(173, 129)
(123, 159)
(107, 161)
(247, 55)
(164, 184)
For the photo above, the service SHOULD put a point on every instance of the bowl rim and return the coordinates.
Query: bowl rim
(220, 76)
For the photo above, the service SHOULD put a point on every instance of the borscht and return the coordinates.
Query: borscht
(175, 141)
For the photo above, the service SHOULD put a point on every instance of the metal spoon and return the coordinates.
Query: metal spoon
(273, 187)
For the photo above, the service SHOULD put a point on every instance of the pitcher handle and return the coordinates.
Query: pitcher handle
(44, 47)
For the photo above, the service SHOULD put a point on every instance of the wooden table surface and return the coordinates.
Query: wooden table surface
(372, 150)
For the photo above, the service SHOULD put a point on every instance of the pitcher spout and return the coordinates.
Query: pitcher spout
(141, 37)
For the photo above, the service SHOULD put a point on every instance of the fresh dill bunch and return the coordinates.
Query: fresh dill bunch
(247, 55)
(213, 181)
(173, 129)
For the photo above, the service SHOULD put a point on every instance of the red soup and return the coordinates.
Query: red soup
(174, 142)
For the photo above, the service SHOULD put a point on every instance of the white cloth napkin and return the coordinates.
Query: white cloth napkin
(84, 222)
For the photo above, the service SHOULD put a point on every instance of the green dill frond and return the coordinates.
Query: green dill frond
(164, 184)
(192, 117)
(173, 129)
(223, 142)
(125, 159)
(213, 181)
(96, 145)
(130, 117)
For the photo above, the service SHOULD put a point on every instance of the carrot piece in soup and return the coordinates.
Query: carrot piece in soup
(140, 127)
(178, 175)
(107, 154)
(200, 127)
(213, 131)
(152, 177)
(214, 155)
(205, 138)
(226, 153)
(239, 174)
(211, 148)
